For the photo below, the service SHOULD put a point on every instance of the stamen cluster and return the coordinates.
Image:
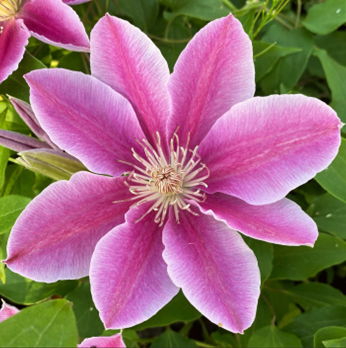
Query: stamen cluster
(169, 183)
(8, 9)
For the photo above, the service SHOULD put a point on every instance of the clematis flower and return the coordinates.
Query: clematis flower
(111, 341)
(7, 311)
(202, 159)
(50, 21)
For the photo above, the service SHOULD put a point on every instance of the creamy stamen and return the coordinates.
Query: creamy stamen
(168, 183)
(8, 9)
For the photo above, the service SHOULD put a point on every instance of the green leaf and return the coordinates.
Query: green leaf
(328, 333)
(87, 316)
(24, 185)
(289, 69)
(336, 77)
(3, 243)
(273, 291)
(12, 174)
(74, 61)
(172, 339)
(142, 12)
(4, 152)
(15, 85)
(308, 323)
(179, 309)
(334, 44)
(49, 324)
(333, 178)
(25, 291)
(10, 209)
(326, 17)
(329, 214)
(270, 336)
(315, 68)
(129, 336)
(207, 10)
(247, 19)
(299, 263)
(335, 343)
(292, 312)
(263, 318)
(264, 255)
(223, 339)
(4, 155)
(265, 63)
(312, 295)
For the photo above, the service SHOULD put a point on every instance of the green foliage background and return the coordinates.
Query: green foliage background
(302, 49)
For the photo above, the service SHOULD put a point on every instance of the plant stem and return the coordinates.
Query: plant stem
(299, 10)
(264, 51)
(284, 23)
(206, 333)
(271, 309)
(229, 5)
(203, 344)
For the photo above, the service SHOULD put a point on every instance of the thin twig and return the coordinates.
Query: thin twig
(85, 64)
(271, 309)
(117, 7)
(205, 332)
(264, 51)
(285, 24)
(299, 10)
(167, 29)
(37, 50)
(229, 5)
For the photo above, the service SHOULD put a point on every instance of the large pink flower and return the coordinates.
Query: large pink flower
(187, 201)
(50, 21)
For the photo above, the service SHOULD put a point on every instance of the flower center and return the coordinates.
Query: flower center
(167, 182)
(8, 9)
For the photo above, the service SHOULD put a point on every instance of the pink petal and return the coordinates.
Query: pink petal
(86, 118)
(7, 311)
(265, 147)
(55, 23)
(126, 59)
(75, 2)
(213, 73)
(216, 270)
(128, 276)
(99, 342)
(56, 234)
(282, 222)
(13, 40)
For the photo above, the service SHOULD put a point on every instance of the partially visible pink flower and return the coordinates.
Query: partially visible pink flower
(228, 167)
(99, 342)
(7, 311)
(50, 21)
